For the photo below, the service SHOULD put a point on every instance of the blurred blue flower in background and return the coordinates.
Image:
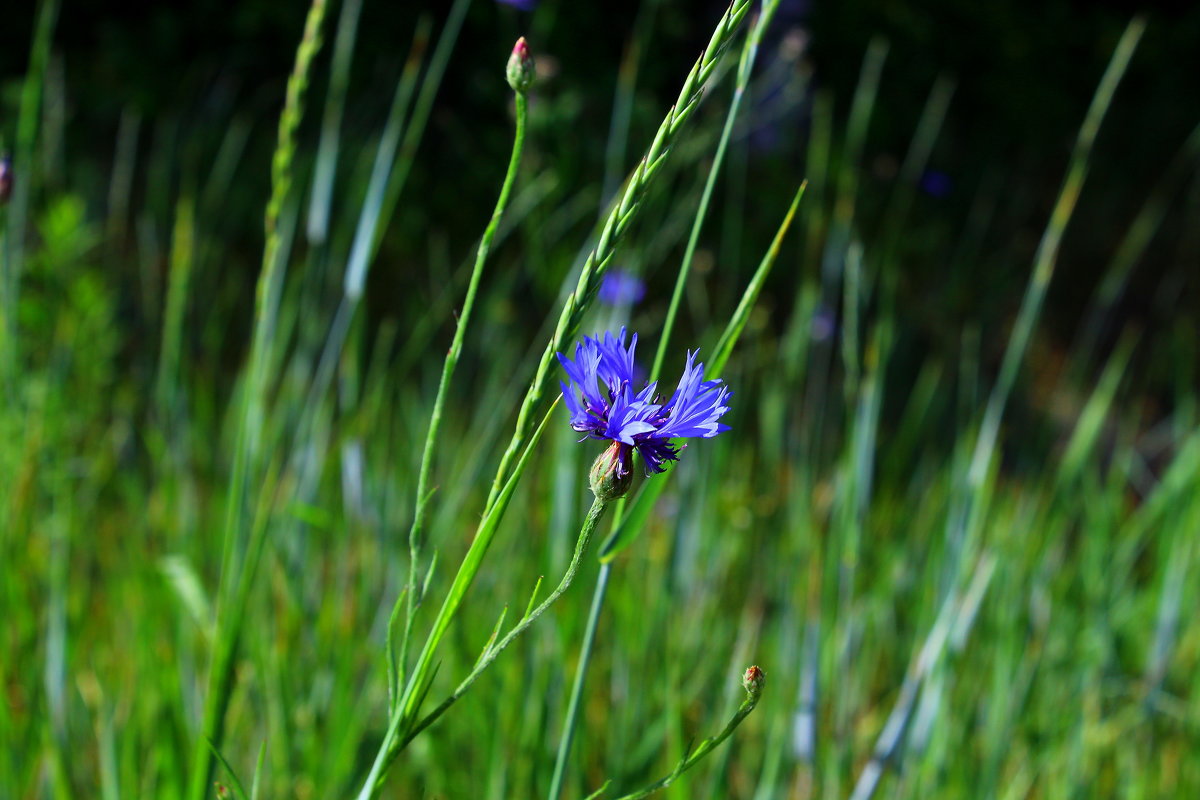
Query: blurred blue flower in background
(936, 183)
(621, 288)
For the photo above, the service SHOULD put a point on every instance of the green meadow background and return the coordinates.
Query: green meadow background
(956, 520)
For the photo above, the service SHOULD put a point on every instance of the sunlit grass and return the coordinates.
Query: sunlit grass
(944, 604)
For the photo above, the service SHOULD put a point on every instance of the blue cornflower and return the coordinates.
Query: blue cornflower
(603, 405)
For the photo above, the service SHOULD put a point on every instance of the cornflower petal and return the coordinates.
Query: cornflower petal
(696, 405)
(629, 417)
(583, 372)
(616, 362)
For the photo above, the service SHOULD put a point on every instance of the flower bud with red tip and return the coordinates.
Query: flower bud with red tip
(753, 681)
(520, 70)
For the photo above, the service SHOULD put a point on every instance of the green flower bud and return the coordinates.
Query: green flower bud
(753, 681)
(612, 474)
(520, 67)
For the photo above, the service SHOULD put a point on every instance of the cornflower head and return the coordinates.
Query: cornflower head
(603, 405)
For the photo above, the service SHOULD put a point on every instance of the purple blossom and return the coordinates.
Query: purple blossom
(600, 398)
(621, 288)
(520, 5)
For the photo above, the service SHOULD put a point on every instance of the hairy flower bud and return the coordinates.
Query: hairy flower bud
(612, 474)
(520, 67)
(753, 680)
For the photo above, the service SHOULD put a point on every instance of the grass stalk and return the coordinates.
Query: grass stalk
(1046, 257)
(745, 68)
(618, 131)
(369, 235)
(231, 607)
(331, 123)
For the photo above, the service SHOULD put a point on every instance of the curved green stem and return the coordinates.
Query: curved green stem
(236, 579)
(435, 418)
(406, 705)
(493, 650)
(705, 747)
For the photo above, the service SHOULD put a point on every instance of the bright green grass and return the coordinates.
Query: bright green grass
(945, 606)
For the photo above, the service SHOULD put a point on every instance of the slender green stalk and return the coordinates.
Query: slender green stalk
(435, 419)
(232, 606)
(618, 131)
(1047, 253)
(493, 649)
(182, 258)
(1133, 246)
(335, 101)
(615, 227)
(382, 170)
(567, 736)
(953, 613)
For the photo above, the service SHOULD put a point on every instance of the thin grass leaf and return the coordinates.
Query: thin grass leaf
(487, 646)
(235, 783)
(532, 597)
(1082, 444)
(256, 782)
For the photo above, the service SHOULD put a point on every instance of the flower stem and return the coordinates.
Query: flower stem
(589, 638)
(493, 650)
(435, 419)
(404, 706)
(704, 748)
